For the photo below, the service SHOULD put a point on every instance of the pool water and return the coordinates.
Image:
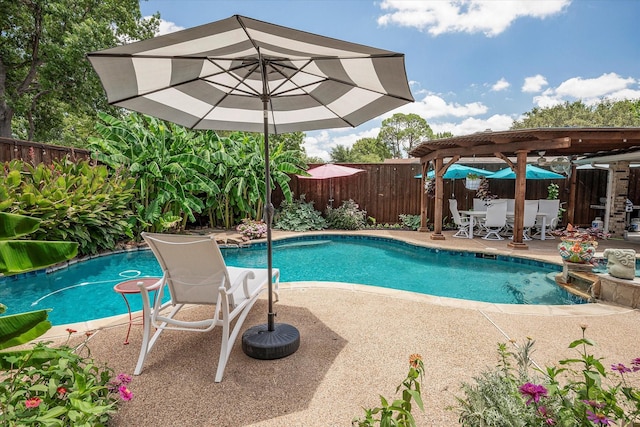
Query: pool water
(84, 291)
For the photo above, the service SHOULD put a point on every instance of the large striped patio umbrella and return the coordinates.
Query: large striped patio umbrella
(243, 74)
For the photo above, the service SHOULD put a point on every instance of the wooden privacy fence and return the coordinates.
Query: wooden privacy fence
(385, 190)
(36, 152)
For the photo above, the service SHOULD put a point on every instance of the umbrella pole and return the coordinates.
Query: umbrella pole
(270, 341)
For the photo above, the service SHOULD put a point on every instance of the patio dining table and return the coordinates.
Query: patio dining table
(481, 214)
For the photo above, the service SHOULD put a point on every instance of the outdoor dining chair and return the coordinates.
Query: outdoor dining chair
(495, 220)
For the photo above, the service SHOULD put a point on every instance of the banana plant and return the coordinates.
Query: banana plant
(18, 256)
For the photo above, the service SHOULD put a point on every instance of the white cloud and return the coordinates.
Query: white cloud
(501, 84)
(167, 27)
(590, 91)
(469, 16)
(471, 125)
(534, 83)
(432, 106)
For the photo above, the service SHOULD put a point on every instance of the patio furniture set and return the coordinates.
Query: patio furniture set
(493, 219)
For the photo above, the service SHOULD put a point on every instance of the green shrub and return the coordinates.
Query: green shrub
(411, 222)
(299, 215)
(559, 396)
(346, 217)
(76, 202)
(49, 386)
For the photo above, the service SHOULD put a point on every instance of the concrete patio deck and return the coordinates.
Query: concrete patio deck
(355, 345)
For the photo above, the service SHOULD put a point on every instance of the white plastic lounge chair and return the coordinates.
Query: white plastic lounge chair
(195, 273)
(496, 220)
(462, 223)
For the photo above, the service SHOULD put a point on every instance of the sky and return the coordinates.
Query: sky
(472, 65)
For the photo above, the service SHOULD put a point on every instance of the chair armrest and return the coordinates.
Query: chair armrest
(243, 280)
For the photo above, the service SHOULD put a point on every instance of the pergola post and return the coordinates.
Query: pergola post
(437, 214)
(423, 200)
(520, 191)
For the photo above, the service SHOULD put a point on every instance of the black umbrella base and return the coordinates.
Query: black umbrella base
(260, 343)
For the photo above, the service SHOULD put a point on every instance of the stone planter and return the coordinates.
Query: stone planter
(575, 250)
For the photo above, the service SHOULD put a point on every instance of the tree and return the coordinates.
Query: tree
(578, 114)
(402, 132)
(341, 154)
(370, 150)
(442, 135)
(44, 75)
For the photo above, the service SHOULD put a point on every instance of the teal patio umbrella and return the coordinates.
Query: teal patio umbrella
(533, 172)
(457, 171)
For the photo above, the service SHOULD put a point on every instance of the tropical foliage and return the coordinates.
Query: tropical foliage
(76, 202)
(181, 173)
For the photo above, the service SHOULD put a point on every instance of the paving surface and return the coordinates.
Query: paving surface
(355, 345)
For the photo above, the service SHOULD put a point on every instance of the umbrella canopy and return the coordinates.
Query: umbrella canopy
(216, 76)
(457, 171)
(533, 172)
(330, 171)
(243, 74)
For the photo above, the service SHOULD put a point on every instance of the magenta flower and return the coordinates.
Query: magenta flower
(33, 402)
(598, 418)
(533, 391)
(594, 404)
(124, 378)
(636, 364)
(544, 413)
(620, 368)
(125, 393)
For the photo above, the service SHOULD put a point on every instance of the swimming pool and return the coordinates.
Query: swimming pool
(84, 291)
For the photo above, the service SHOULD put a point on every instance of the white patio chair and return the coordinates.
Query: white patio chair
(461, 222)
(495, 220)
(550, 208)
(480, 206)
(195, 273)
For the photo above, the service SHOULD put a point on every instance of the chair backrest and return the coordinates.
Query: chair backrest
(453, 207)
(549, 208)
(192, 265)
(479, 205)
(530, 211)
(511, 205)
(496, 214)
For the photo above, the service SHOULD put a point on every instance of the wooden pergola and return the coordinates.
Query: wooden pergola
(569, 142)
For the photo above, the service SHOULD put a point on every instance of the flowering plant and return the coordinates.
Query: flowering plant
(576, 234)
(587, 396)
(58, 386)
(398, 413)
(250, 229)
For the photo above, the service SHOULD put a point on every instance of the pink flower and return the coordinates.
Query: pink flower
(33, 402)
(533, 391)
(125, 393)
(620, 368)
(62, 392)
(124, 378)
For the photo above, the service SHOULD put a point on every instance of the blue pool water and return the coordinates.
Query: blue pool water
(84, 291)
